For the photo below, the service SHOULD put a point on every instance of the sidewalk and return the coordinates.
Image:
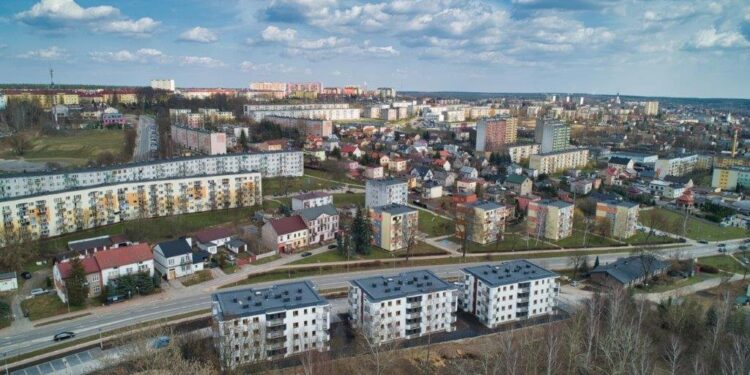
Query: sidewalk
(685, 290)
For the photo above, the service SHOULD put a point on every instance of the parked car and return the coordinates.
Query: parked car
(332, 246)
(26, 275)
(38, 292)
(703, 241)
(722, 249)
(160, 342)
(306, 254)
(115, 299)
(63, 336)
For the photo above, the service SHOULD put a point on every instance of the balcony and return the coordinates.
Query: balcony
(275, 334)
(275, 322)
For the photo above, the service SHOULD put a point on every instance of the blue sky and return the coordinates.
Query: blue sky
(641, 47)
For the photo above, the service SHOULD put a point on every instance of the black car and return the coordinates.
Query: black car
(26, 275)
(64, 336)
(332, 246)
(306, 254)
(703, 241)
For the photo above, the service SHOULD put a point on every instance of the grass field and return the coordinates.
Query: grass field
(289, 185)
(329, 176)
(434, 225)
(696, 229)
(723, 262)
(420, 249)
(340, 200)
(576, 241)
(641, 238)
(659, 286)
(199, 277)
(268, 259)
(76, 148)
(512, 242)
(46, 306)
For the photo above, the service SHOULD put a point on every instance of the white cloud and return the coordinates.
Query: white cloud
(199, 35)
(274, 34)
(141, 27)
(323, 43)
(249, 66)
(56, 11)
(120, 56)
(713, 39)
(143, 55)
(202, 61)
(51, 53)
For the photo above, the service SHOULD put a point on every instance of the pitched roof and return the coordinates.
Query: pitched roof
(89, 266)
(313, 213)
(625, 270)
(123, 255)
(90, 243)
(7, 275)
(175, 248)
(288, 225)
(516, 179)
(619, 160)
(208, 235)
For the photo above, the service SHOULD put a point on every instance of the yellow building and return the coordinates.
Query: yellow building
(559, 161)
(621, 216)
(482, 222)
(393, 226)
(551, 219)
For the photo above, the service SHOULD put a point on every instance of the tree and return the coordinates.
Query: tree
(411, 236)
(596, 262)
(76, 284)
(335, 153)
(577, 262)
(361, 229)
(243, 141)
(19, 143)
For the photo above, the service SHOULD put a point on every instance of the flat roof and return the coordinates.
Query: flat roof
(394, 209)
(386, 181)
(511, 272)
(554, 202)
(565, 151)
(382, 288)
(280, 297)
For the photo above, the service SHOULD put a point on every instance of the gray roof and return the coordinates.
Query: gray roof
(514, 271)
(619, 160)
(616, 202)
(386, 181)
(485, 205)
(555, 202)
(7, 275)
(311, 195)
(281, 297)
(381, 288)
(90, 243)
(516, 179)
(313, 213)
(394, 209)
(175, 248)
(625, 270)
(236, 242)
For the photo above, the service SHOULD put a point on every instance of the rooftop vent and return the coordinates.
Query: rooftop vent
(234, 300)
(298, 298)
(374, 285)
(286, 299)
(299, 290)
(258, 303)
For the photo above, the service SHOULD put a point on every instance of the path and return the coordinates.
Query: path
(687, 289)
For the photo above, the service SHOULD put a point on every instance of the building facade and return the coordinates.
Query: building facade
(551, 135)
(52, 214)
(494, 133)
(550, 219)
(250, 325)
(163, 84)
(408, 305)
(306, 126)
(521, 152)
(675, 166)
(385, 192)
(322, 223)
(482, 222)
(730, 178)
(394, 226)
(201, 140)
(321, 111)
(313, 199)
(285, 235)
(559, 161)
(508, 292)
(621, 216)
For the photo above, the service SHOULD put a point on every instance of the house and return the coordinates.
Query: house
(468, 172)
(466, 185)
(63, 270)
(351, 151)
(519, 184)
(200, 259)
(322, 223)
(374, 172)
(446, 179)
(442, 164)
(313, 199)
(421, 174)
(94, 244)
(8, 282)
(286, 234)
(236, 246)
(666, 189)
(174, 258)
(630, 271)
(464, 197)
(211, 239)
(397, 165)
(522, 201)
(581, 187)
(621, 163)
(384, 160)
(432, 190)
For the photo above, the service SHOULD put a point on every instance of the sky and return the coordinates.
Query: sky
(687, 48)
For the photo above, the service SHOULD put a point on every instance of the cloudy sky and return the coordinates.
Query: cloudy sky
(641, 47)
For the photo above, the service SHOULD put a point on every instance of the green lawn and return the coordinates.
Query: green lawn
(659, 286)
(592, 240)
(77, 148)
(641, 238)
(46, 306)
(5, 312)
(723, 262)
(267, 259)
(696, 229)
(329, 176)
(434, 225)
(340, 200)
(291, 185)
(421, 249)
(512, 242)
(198, 277)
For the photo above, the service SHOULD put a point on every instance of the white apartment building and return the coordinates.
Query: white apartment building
(324, 111)
(676, 166)
(554, 162)
(313, 199)
(163, 84)
(408, 305)
(251, 325)
(507, 292)
(67, 211)
(386, 191)
(521, 152)
(269, 164)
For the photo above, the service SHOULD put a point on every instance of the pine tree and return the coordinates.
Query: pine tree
(76, 284)
(361, 232)
(596, 262)
(366, 233)
(243, 140)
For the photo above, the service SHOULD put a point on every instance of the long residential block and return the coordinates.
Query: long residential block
(251, 325)
(408, 305)
(269, 164)
(559, 161)
(507, 292)
(51, 214)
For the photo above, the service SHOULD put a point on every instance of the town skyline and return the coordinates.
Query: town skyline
(597, 47)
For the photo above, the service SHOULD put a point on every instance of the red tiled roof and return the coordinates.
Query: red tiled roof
(89, 266)
(123, 255)
(212, 234)
(288, 225)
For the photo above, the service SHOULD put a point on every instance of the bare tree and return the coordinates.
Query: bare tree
(673, 354)
(576, 262)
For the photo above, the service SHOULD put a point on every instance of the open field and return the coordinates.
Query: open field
(512, 242)
(329, 176)
(434, 225)
(641, 238)
(723, 262)
(667, 283)
(340, 200)
(198, 277)
(75, 149)
(697, 229)
(592, 240)
(335, 255)
(45, 306)
(289, 185)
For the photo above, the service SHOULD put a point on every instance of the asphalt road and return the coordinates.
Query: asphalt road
(119, 316)
(146, 130)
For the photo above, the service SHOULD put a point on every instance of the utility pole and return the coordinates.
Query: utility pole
(54, 96)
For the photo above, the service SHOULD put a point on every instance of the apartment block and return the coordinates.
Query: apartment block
(52, 214)
(333, 112)
(313, 199)
(404, 306)
(675, 166)
(550, 219)
(651, 108)
(251, 325)
(386, 191)
(269, 164)
(163, 84)
(559, 161)
(622, 217)
(551, 135)
(508, 292)
(393, 226)
(520, 152)
(482, 222)
(201, 140)
(731, 178)
(494, 133)
(314, 127)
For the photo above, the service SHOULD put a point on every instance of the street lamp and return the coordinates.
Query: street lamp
(5, 359)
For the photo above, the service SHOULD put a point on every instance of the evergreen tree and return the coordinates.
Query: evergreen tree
(336, 153)
(361, 232)
(76, 284)
(243, 141)
(366, 233)
(596, 262)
